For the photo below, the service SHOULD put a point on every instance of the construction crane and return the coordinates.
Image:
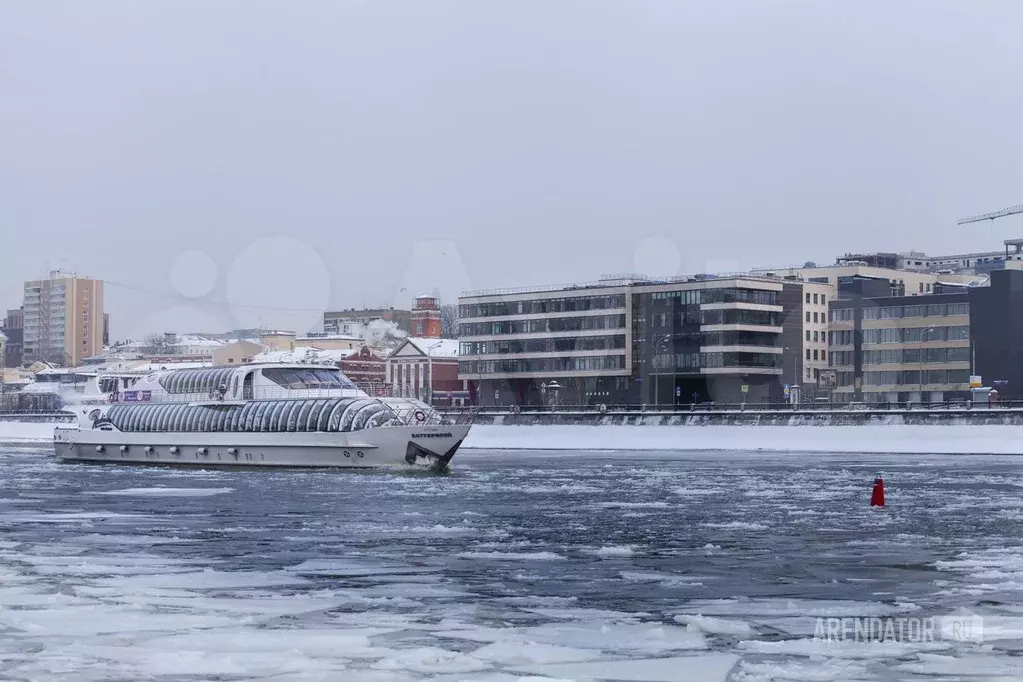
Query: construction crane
(1012, 210)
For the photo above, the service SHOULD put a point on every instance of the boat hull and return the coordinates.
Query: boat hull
(389, 447)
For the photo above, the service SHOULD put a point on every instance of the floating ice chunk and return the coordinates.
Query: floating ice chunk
(27, 596)
(633, 505)
(841, 648)
(822, 670)
(354, 567)
(715, 626)
(204, 580)
(608, 552)
(789, 607)
(584, 614)
(430, 660)
(625, 637)
(705, 668)
(115, 539)
(735, 525)
(967, 665)
(512, 556)
(80, 621)
(166, 492)
(526, 653)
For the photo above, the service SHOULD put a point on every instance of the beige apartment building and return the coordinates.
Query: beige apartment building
(63, 319)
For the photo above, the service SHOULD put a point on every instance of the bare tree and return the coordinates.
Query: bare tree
(449, 321)
(157, 344)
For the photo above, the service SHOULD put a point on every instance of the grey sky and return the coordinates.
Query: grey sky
(440, 145)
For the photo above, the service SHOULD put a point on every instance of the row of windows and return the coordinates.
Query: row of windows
(694, 361)
(754, 317)
(557, 324)
(817, 298)
(910, 377)
(916, 334)
(901, 356)
(337, 414)
(196, 380)
(815, 355)
(816, 336)
(578, 343)
(742, 359)
(847, 337)
(718, 295)
(545, 305)
(898, 356)
(739, 338)
(816, 317)
(583, 364)
(899, 312)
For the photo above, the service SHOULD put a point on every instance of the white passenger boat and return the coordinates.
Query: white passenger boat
(291, 415)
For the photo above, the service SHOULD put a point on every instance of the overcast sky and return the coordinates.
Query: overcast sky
(314, 154)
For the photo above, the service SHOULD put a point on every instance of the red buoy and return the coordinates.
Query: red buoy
(877, 494)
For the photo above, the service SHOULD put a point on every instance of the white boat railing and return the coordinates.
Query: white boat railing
(408, 412)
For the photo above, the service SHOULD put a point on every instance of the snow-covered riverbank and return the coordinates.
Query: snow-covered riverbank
(879, 439)
(867, 438)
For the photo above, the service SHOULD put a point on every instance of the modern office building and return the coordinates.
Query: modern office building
(973, 263)
(724, 340)
(63, 319)
(14, 331)
(889, 349)
(517, 344)
(635, 340)
(902, 282)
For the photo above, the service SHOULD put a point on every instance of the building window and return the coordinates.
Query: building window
(823, 300)
(824, 354)
(808, 313)
(807, 353)
(816, 336)
(807, 334)
(815, 354)
(815, 298)
(815, 317)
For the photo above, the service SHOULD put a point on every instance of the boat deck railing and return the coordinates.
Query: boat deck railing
(410, 415)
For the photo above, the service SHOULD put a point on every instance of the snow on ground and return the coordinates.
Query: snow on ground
(875, 439)
(26, 432)
(872, 439)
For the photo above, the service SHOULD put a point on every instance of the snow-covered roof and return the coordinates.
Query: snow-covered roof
(328, 337)
(193, 341)
(303, 355)
(441, 348)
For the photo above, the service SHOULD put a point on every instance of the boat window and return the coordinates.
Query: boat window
(304, 379)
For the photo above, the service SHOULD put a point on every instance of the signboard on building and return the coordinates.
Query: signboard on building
(745, 388)
(976, 381)
(827, 378)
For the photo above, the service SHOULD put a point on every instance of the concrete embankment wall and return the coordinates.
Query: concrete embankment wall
(978, 417)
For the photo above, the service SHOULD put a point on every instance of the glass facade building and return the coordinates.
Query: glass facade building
(605, 342)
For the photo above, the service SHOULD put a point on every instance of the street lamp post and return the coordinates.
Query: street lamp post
(657, 377)
(429, 371)
(924, 333)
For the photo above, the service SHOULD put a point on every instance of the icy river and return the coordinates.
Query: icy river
(653, 566)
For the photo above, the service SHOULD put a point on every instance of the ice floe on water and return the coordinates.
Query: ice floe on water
(166, 492)
(510, 569)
